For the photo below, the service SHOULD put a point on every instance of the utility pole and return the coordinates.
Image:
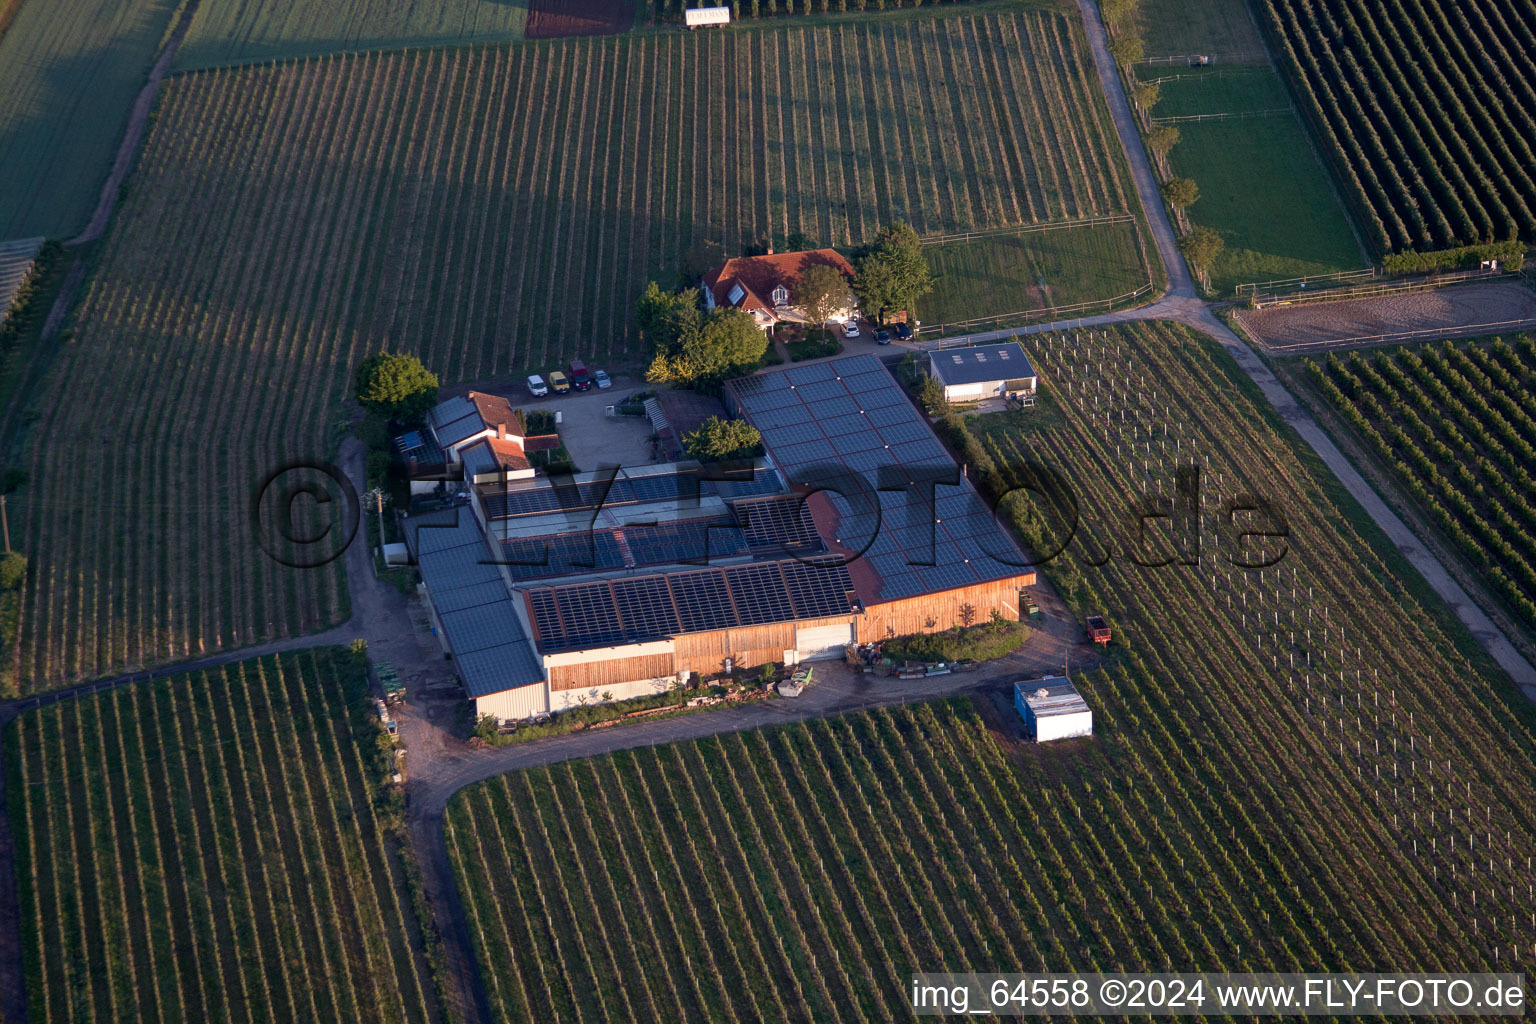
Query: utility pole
(5, 524)
(379, 502)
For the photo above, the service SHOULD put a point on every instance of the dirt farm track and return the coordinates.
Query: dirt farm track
(1473, 309)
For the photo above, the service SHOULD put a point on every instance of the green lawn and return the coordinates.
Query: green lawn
(1221, 89)
(69, 70)
(1003, 274)
(1261, 187)
(1179, 27)
(240, 31)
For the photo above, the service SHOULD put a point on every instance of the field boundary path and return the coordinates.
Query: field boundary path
(138, 123)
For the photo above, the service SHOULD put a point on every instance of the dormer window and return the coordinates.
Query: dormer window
(780, 295)
(737, 294)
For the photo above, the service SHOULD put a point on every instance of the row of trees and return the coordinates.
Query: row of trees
(1200, 245)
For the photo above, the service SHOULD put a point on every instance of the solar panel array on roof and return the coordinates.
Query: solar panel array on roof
(489, 644)
(778, 525)
(684, 482)
(686, 541)
(454, 420)
(533, 558)
(640, 609)
(918, 536)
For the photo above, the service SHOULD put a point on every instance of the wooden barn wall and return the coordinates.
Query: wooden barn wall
(586, 674)
(914, 614)
(746, 646)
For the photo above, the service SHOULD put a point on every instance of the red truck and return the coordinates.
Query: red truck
(581, 377)
(1098, 629)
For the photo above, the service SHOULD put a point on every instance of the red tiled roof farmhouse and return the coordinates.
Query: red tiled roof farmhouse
(758, 275)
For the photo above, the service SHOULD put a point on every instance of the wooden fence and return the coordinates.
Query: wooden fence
(1373, 284)
(1026, 229)
(1000, 321)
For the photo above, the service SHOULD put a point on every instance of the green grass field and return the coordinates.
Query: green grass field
(242, 31)
(69, 70)
(1226, 89)
(214, 847)
(998, 275)
(1182, 27)
(1261, 188)
(1262, 191)
(1241, 807)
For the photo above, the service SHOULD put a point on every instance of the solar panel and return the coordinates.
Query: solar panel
(530, 558)
(645, 606)
(817, 591)
(845, 425)
(844, 406)
(809, 374)
(695, 540)
(759, 594)
(702, 600)
(888, 416)
(546, 619)
(909, 430)
(906, 584)
(779, 524)
(821, 391)
(591, 620)
(773, 419)
(946, 577)
(796, 457)
(764, 481)
(864, 440)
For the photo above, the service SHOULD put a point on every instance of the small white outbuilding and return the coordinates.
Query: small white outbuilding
(977, 372)
(1052, 709)
(702, 17)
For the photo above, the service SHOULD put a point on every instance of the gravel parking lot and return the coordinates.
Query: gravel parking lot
(590, 436)
(1460, 310)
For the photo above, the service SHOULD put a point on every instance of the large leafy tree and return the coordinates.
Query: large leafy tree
(718, 439)
(396, 385)
(1201, 247)
(728, 341)
(666, 318)
(893, 274)
(821, 291)
(1181, 192)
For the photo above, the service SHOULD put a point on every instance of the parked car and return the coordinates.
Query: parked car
(536, 386)
(903, 332)
(882, 335)
(558, 383)
(600, 378)
(581, 378)
(850, 329)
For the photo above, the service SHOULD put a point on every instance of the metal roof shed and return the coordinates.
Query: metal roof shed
(982, 371)
(1052, 709)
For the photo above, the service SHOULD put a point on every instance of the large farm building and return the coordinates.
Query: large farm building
(613, 585)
